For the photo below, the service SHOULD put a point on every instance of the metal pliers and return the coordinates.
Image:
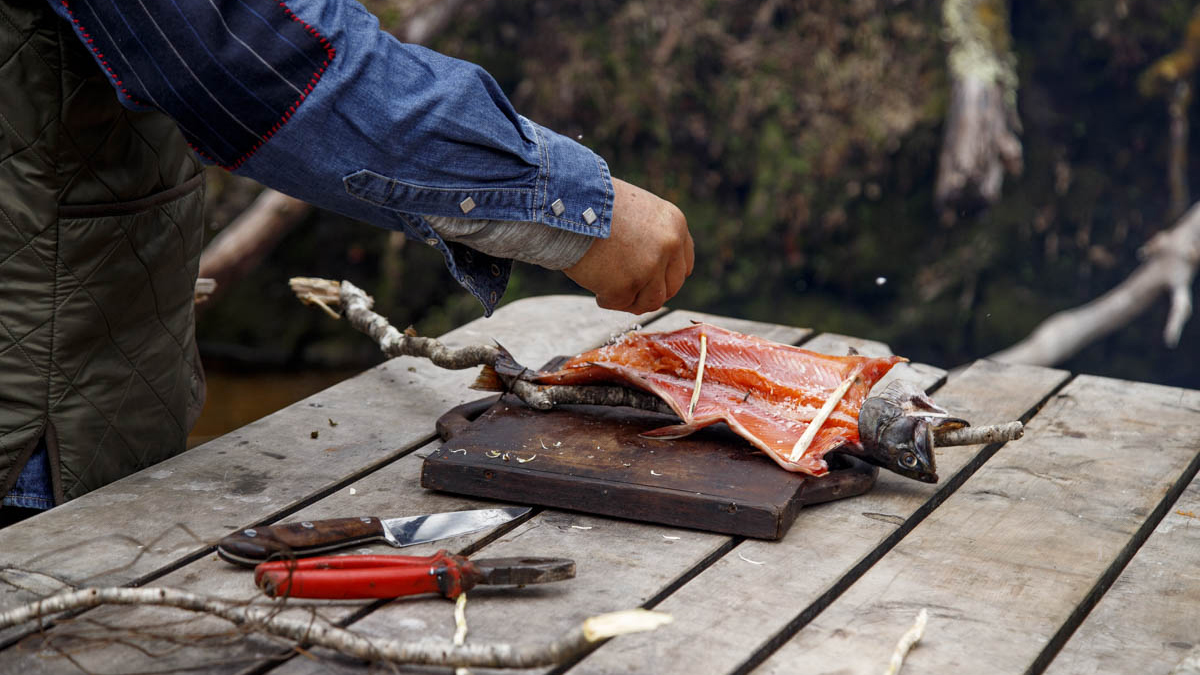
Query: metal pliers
(391, 576)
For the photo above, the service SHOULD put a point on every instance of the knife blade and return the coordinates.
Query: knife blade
(254, 545)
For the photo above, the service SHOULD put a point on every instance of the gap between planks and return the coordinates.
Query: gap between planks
(767, 648)
(1106, 580)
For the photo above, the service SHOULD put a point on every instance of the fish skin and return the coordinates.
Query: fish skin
(787, 386)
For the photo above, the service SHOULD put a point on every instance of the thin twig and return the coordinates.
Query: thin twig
(320, 633)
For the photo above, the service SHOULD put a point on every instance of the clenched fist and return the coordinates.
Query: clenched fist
(646, 257)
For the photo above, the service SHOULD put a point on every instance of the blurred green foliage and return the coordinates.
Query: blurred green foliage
(801, 139)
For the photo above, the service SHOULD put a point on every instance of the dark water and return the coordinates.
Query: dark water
(237, 397)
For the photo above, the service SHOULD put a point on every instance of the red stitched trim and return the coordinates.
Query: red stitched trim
(330, 52)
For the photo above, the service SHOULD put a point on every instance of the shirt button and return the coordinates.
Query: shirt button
(495, 270)
(431, 242)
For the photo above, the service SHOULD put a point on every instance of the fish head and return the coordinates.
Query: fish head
(896, 430)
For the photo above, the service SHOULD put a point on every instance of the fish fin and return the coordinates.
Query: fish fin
(671, 431)
(488, 380)
(498, 376)
(678, 430)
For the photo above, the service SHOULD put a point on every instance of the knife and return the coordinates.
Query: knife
(252, 546)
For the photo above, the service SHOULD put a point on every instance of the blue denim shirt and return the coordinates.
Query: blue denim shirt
(311, 98)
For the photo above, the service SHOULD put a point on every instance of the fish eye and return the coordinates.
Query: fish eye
(908, 460)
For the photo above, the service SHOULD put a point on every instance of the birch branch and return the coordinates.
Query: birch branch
(1170, 260)
(320, 633)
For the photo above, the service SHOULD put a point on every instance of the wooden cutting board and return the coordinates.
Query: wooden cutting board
(591, 459)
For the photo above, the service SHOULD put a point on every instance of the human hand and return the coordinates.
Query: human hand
(646, 257)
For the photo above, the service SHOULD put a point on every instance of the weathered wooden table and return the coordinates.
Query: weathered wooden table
(1073, 550)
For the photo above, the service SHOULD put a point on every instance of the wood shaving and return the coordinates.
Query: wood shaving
(752, 562)
(353, 491)
(1187, 514)
(492, 453)
(581, 527)
(460, 627)
(505, 457)
(699, 375)
(462, 450)
(907, 641)
(542, 444)
(667, 536)
(528, 459)
(654, 473)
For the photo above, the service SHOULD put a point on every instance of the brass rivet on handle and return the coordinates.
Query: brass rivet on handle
(307, 524)
(250, 533)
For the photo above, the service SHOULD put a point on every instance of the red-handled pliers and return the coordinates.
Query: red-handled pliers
(391, 576)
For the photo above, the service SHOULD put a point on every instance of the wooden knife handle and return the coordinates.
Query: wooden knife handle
(254, 545)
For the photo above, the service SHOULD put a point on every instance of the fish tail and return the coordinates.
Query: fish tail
(498, 376)
(488, 380)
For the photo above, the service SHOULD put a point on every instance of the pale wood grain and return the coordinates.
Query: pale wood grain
(1004, 562)
(1149, 620)
(740, 603)
(130, 529)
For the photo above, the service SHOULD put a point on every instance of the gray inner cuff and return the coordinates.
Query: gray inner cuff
(543, 245)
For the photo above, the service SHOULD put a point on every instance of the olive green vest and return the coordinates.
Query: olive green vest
(100, 237)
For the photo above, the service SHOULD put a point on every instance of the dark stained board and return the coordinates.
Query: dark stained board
(592, 459)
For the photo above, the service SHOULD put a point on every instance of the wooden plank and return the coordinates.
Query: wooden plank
(1005, 561)
(757, 591)
(132, 528)
(1146, 622)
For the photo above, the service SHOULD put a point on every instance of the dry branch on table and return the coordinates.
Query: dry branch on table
(980, 141)
(1170, 260)
(317, 632)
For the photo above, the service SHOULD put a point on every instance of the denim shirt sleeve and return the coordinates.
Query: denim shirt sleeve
(311, 98)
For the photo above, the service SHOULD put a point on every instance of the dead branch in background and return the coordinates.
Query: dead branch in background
(318, 632)
(239, 248)
(1170, 260)
(980, 141)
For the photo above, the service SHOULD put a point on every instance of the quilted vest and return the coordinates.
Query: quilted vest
(101, 211)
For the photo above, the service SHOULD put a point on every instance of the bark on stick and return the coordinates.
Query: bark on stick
(319, 633)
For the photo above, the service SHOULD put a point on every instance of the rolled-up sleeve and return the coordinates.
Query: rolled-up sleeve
(311, 98)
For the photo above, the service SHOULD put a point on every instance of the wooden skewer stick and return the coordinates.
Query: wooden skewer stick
(826, 410)
(699, 375)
